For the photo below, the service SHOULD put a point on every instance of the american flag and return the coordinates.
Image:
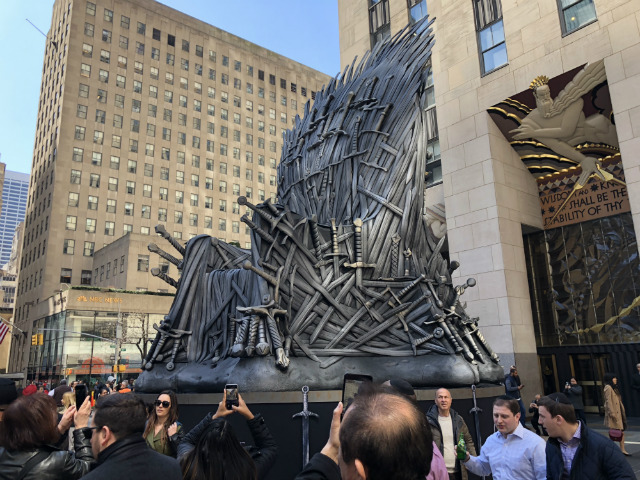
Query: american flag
(4, 328)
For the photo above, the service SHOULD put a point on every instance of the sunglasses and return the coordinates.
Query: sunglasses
(165, 404)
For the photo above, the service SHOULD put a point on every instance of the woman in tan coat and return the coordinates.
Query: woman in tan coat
(614, 414)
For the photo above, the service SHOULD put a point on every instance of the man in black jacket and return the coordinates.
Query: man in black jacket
(118, 446)
(575, 452)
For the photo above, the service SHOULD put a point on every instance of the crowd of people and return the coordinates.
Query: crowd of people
(381, 434)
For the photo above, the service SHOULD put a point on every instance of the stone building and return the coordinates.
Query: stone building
(557, 292)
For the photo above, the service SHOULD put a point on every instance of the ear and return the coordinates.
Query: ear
(106, 437)
(362, 473)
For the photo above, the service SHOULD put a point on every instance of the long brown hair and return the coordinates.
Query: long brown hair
(171, 418)
(28, 422)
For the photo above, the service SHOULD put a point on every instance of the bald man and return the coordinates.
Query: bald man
(446, 427)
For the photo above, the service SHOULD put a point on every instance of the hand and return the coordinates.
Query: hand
(332, 446)
(81, 418)
(223, 411)
(523, 132)
(520, 387)
(173, 429)
(242, 408)
(67, 419)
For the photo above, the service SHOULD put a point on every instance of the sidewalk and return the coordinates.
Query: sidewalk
(631, 438)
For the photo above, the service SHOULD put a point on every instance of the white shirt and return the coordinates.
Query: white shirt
(449, 454)
(520, 456)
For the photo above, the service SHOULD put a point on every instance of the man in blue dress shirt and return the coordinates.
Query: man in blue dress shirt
(513, 452)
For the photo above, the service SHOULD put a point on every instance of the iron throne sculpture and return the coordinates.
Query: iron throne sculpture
(343, 272)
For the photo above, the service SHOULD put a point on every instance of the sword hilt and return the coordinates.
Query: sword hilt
(357, 224)
(334, 237)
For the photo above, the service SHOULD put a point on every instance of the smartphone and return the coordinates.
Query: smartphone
(350, 385)
(81, 393)
(232, 395)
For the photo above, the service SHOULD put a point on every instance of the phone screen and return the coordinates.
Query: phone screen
(232, 395)
(81, 392)
(351, 384)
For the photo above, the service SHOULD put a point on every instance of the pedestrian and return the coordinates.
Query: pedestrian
(575, 452)
(8, 393)
(118, 446)
(446, 428)
(635, 380)
(29, 432)
(124, 387)
(60, 390)
(533, 409)
(513, 452)
(211, 449)
(163, 432)
(574, 392)
(614, 414)
(512, 387)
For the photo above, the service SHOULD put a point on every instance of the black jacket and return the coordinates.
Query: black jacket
(597, 458)
(131, 457)
(58, 464)
(459, 426)
(320, 467)
(264, 452)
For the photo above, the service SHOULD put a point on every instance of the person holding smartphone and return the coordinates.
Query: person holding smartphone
(211, 447)
(163, 432)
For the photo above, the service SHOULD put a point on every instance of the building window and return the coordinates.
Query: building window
(71, 222)
(156, 34)
(111, 206)
(109, 228)
(124, 22)
(92, 203)
(106, 36)
(65, 275)
(488, 20)
(113, 184)
(575, 14)
(141, 28)
(89, 247)
(114, 162)
(379, 21)
(75, 177)
(94, 180)
(85, 277)
(68, 246)
(73, 199)
(417, 10)
(90, 225)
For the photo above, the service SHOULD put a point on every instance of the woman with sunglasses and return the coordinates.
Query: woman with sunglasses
(163, 432)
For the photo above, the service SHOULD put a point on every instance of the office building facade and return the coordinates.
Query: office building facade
(147, 116)
(556, 282)
(15, 189)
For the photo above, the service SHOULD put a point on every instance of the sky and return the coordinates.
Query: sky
(305, 31)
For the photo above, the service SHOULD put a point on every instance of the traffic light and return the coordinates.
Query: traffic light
(122, 368)
(115, 369)
(34, 339)
(41, 339)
